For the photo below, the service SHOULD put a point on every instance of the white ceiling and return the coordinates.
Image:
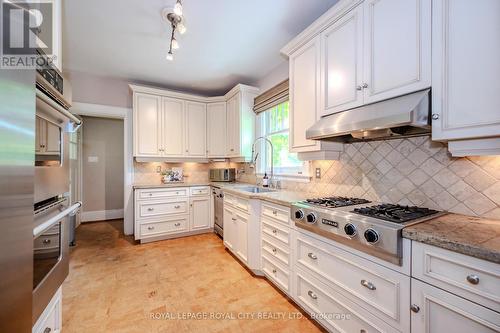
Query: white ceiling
(227, 41)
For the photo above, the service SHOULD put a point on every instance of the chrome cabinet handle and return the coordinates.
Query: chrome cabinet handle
(177, 206)
(359, 87)
(274, 270)
(151, 228)
(275, 212)
(415, 308)
(312, 256)
(312, 294)
(187, 151)
(232, 218)
(435, 116)
(177, 224)
(150, 194)
(368, 285)
(176, 192)
(275, 231)
(150, 209)
(46, 241)
(47, 330)
(473, 279)
(274, 250)
(365, 85)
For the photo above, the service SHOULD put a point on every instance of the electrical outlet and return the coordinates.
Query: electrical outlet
(318, 173)
(158, 169)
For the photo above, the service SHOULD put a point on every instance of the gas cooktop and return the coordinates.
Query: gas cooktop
(374, 229)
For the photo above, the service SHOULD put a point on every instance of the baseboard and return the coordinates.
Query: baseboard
(101, 215)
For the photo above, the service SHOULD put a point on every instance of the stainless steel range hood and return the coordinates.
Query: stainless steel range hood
(398, 117)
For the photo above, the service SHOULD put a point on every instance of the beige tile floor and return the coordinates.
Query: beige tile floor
(115, 285)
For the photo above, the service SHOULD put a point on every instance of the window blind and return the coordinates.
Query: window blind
(272, 97)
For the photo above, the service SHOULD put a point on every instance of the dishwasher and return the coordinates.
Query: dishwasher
(218, 211)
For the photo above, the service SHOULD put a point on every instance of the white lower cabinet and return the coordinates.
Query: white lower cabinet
(236, 221)
(51, 318)
(438, 311)
(162, 213)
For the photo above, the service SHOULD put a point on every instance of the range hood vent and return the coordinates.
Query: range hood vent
(403, 116)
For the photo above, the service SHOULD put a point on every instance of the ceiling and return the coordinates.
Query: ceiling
(227, 41)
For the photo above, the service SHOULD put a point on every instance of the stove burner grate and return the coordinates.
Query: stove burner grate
(334, 202)
(395, 213)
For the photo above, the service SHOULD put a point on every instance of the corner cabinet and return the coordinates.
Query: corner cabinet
(465, 84)
(175, 127)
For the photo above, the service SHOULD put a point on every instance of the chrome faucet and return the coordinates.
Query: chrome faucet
(256, 155)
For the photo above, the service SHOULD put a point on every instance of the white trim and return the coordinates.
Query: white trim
(106, 111)
(101, 215)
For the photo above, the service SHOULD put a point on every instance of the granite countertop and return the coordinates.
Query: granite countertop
(473, 236)
(280, 197)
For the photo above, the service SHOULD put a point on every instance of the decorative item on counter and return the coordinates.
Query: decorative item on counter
(175, 175)
(265, 180)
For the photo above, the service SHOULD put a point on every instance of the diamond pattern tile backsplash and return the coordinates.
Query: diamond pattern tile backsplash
(413, 171)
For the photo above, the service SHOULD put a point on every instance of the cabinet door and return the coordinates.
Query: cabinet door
(52, 138)
(233, 125)
(397, 48)
(200, 213)
(147, 125)
(440, 311)
(341, 63)
(196, 129)
(173, 127)
(465, 69)
(217, 128)
(304, 94)
(39, 134)
(242, 236)
(230, 229)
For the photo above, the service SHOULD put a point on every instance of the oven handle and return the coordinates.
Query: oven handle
(56, 106)
(50, 222)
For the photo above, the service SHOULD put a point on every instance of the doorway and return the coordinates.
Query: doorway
(102, 169)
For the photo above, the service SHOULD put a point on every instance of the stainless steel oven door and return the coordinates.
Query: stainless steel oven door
(51, 152)
(50, 252)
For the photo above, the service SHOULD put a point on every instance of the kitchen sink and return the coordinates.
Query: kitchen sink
(254, 189)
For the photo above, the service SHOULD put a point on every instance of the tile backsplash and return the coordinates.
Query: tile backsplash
(413, 171)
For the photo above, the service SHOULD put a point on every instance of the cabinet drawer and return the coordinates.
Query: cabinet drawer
(474, 279)
(276, 231)
(379, 289)
(166, 227)
(200, 190)
(162, 193)
(229, 199)
(152, 209)
(278, 213)
(237, 202)
(335, 311)
(275, 250)
(276, 274)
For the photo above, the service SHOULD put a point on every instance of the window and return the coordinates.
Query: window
(273, 124)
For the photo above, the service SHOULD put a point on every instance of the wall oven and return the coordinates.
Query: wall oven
(52, 211)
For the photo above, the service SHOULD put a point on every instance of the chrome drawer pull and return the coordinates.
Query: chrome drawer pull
(274, 270)
(233, 219)
(368, 285)
(150, 209)
(151, 228)
(177, 206)
(473, 279)
(46, 241)
(312, 256)
(415, 308)
(274, 250)
(312, 294)
(275, 212)
(177, 224)
(150, 194)
(275, 231)
(47, 330)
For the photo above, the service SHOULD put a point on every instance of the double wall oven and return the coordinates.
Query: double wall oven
(52, 209)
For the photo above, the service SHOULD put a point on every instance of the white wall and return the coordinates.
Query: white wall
(277, 75)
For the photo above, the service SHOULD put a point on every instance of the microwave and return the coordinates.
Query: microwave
(222, 175)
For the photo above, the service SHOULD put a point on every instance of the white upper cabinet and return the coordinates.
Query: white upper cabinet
(397, 48)
(147, 125)
(196, 129)
(466, 70)
(177, 127)
(172, 127)
(342, 63)
(216, 127)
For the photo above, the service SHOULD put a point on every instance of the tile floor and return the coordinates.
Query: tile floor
(115, 285)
